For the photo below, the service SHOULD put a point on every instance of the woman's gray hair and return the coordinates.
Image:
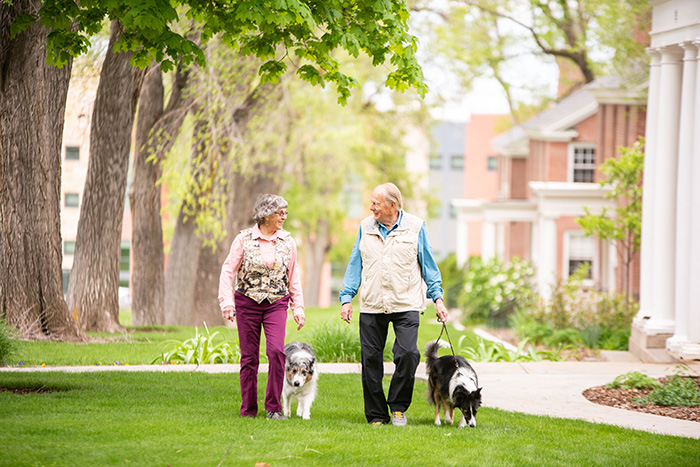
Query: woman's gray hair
(391, 195)
(266, 205)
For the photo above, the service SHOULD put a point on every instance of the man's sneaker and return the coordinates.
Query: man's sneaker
(276, 416)
(398, 419)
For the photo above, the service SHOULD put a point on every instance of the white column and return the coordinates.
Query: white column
(691, 349)
(501, 241)
(684, 213)
(646, 250)
(664, 197)
(462, 247)
(611, 264)
(547, 265)
(488, 240)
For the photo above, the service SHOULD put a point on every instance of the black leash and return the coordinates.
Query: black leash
(444, 329)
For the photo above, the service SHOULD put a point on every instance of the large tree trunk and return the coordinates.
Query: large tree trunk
(94, 282)
(32, 109)
(155, 133)
(147, 269)
(315, 248)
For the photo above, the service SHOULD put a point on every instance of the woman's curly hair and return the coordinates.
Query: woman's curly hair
(266, 205)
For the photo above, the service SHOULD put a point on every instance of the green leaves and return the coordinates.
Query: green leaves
(270, 30)
(200, 349)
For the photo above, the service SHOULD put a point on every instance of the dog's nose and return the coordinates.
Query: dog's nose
(296, 383)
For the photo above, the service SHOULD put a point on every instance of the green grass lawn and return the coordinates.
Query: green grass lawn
(139, 346)
(191, 419)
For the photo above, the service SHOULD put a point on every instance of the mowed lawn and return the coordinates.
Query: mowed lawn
(191, 419)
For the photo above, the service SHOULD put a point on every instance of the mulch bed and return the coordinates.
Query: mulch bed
(622, 399)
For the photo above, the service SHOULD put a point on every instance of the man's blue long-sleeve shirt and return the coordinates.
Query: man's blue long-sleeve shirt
(429, 270)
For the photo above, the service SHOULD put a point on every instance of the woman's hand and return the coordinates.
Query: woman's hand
(229, 313)
(300, 319)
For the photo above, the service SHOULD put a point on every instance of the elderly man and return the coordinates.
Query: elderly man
(393, 260)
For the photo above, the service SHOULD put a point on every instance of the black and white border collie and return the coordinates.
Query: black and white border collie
(300, 378)
(452, 383)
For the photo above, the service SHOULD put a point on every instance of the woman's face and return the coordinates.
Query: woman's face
(276, 219)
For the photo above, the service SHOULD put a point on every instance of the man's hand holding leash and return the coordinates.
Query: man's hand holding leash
(441, 310)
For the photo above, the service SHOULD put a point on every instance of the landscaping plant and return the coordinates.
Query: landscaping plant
(679, 391)
(200, 349)
(634, 380)
(494, 290)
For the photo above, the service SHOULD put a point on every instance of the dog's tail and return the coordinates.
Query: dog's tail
(431, 350)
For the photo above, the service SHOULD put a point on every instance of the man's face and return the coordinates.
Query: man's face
(386, 214)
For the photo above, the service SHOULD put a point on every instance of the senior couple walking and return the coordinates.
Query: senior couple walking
(393, 261)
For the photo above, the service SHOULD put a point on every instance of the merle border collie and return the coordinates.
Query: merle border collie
(300, 378)
(452, 383)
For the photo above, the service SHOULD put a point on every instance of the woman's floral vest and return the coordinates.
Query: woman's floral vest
(255, 279)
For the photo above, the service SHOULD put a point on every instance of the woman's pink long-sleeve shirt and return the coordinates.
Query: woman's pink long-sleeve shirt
(230, 268)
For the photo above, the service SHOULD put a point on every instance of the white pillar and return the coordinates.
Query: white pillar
(646, 250)
(462, 247)
(684, 213)
(664, 197)
(501, 241)
(611, 253)
(488, 240)
(547, 265)
(690, 350)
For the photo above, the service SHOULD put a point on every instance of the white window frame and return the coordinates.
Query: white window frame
(571, 167)
(566, 257)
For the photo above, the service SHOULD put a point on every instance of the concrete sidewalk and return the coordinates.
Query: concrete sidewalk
(540, 388)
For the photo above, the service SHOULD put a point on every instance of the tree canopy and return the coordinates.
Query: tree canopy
(305, 32)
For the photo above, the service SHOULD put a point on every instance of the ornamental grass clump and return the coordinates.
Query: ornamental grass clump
(200, 349)
(340, 343)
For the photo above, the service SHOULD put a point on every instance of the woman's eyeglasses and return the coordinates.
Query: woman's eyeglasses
(282, 213)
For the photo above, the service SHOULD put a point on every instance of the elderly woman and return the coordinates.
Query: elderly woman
(263, 262)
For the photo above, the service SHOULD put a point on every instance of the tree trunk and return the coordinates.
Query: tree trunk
(315, 248)
(32, 109)
(94, 283)
(147, 269)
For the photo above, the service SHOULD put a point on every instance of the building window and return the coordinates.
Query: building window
(457, 162)
(492, 163)
(124, 265)
(72, 153)
(435, 162)
(581, 250)
(583, 164)
(68, 248)
(72, 200)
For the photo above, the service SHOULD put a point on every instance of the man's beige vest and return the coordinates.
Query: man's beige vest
(391, 275)
(255, 279)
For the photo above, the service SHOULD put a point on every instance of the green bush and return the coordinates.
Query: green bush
(679, 391)
(339, 342)
(634, 380)
(453, 279)
(579, 316)
(200, 349)
(7, 343)
(494, 290)
(477, 349)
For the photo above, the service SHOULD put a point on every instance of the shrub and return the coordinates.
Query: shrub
(493, 290)
(338, 342)
(453, 279)
(577, 315)
(200, 349)
(634, 380)
(679, 391)
(7, 343)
